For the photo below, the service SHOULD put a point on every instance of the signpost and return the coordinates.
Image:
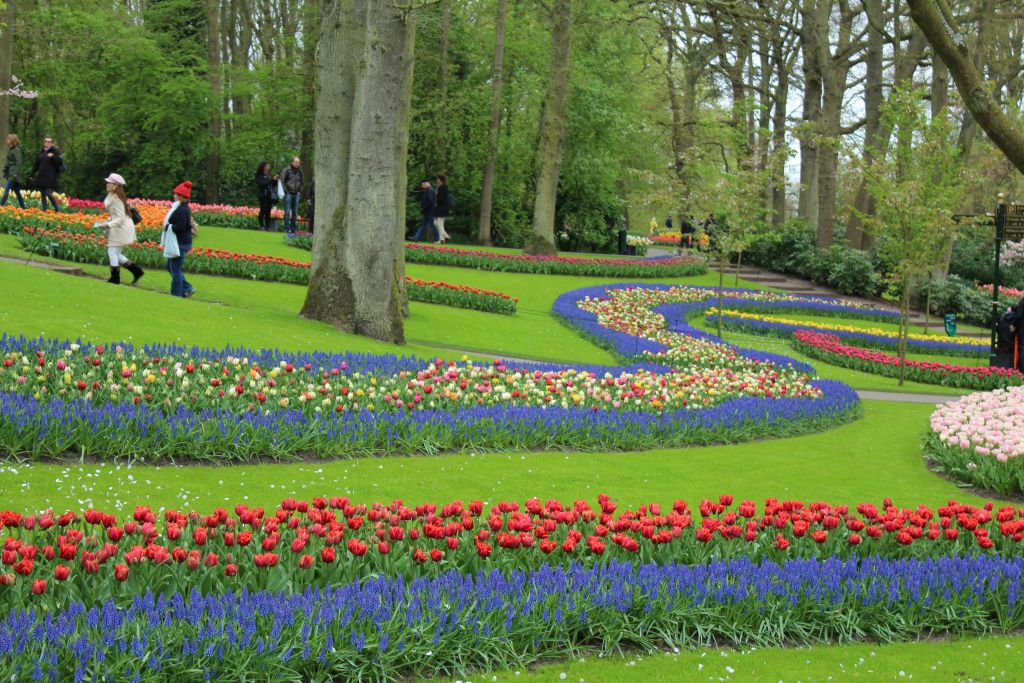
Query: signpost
(1009, 223)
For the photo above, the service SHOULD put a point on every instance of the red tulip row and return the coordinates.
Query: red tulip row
(332, 538)
(829, 348)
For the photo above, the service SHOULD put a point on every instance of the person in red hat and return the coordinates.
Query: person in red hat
(179, 220)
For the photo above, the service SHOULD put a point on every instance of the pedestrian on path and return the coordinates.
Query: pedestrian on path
(265, 193)
(428, 204)
(179, 221)
(444, 205)
(120, 230)
(48, 165)
(12, 170)
(291, 179)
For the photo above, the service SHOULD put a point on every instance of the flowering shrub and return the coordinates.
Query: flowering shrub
(93, 556)
(86, 247)
(829, 348)
(980, 439)
(385, 628)
(1013, 253)
(1008, 295)
(639, 243)
(858, 336)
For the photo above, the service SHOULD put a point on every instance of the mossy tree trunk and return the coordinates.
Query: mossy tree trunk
(356, 282)
(497, 80)
(552, 132)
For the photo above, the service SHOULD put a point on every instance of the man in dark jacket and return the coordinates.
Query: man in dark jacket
(291, 178)
(48, 165)
(428, 204)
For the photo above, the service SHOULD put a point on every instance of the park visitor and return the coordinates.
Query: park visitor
(428, 202)
(291, 178)
(48, 165)
(266, 193)
(179, 221)
(120, 230)
(12, 170)
(444, 203)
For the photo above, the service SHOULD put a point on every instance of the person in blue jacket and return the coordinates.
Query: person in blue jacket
(179, 219)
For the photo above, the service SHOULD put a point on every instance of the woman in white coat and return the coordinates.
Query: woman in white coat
(120, 230)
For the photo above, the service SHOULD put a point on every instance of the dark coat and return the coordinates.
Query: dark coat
(292, 179)
(265, 186)
(46, 168)
(428, 202)
(12, 169)
(181, 223)
(442, 201)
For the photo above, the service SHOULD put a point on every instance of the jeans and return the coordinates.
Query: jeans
(44, 193)
(291, 211)
(179, 285)
(426, 220)
(16, 186)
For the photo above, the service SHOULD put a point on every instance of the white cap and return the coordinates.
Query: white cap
(115, 178)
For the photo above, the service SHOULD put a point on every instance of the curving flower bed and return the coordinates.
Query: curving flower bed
(666, 266)
(784, 328)
(92, 556)
(87, 247)
(240, 404)
(829, 348)
(384, 627)
(980, 439)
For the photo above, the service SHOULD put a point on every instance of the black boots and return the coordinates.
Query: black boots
(135, 271)
(115, 273)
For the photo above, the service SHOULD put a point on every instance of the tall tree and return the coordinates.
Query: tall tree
(441, 126)
(6, 48)
(213, 50)
(941, 29)
(494, 129)
(552, 132)
(359, 148)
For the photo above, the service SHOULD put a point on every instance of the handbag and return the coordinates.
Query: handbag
(136, 216)
(170, 243)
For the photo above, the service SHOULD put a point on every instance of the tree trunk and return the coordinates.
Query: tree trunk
(330, 297)
(310, 29)
(487, 192)
(402, 172)
(552, 130)
(1007, 135)
(778, 184)
(863, 202)
(372, 213)
(808, 207)
(217, 91)
(441, 128)
(6, 48)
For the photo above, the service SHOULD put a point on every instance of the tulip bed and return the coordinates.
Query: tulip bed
(829, 348)
(153, 403)
(756, 323)
(92, 556)
(674, 266)
(980, 439)
(87, 247)
(223, 215)
(333, 589)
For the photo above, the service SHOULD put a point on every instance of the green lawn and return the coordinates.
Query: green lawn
(970, 660)
(875, 457)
